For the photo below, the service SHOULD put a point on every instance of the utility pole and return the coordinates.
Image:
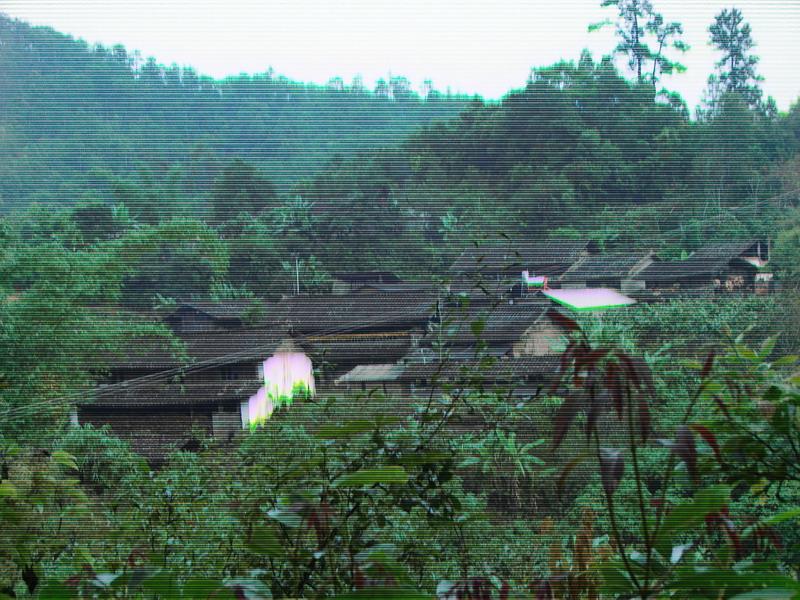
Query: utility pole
(297, 274)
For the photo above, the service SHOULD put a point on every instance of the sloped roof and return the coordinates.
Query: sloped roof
(604, 266)
(351, 348)
(710, 260)
(503, 323)
(173, 394)
(541, 257)
(368, 276)
(352, 312)
(372, 373)
(508, 369)
(221, 310)
(245, 345)
(427, 289)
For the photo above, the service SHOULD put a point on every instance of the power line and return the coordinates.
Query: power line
(152, 378)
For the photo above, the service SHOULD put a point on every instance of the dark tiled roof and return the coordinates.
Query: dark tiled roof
(500, 370)
(503, 323)
(426, 289)
(541, 257)
(359, 347)
(353, 312)
(386, 277)
(711, 260)
(221, 310)
(173, 394)
(368, 373)
(604, 266)
(246, 344)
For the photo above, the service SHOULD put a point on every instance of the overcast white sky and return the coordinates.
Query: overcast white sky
(485, 47)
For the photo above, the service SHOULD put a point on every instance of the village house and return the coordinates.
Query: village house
(345, 283)
(510, 330)
(735, 266)
(160, 397)
(524, 378)
(550, 257)
(615, 270)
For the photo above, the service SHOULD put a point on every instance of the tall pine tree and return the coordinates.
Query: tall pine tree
(736, 70)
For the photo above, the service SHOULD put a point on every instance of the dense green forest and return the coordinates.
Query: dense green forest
(663, 464)
(75, 114)
(579, 139)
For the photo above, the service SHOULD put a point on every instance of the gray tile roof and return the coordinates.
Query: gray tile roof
(173, 394)
(604, 266)
(541, 257)
(503, 323)
(709, 261)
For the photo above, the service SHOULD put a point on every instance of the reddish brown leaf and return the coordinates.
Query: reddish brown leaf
(596, 408)
(722, 406)
(644, 418)
(644, 374)
(563, 320)
(505, 590)
(612, 467)
(566, 358)
(733, 535)
(628, 368)
(568, 468)
(595, 355)
(614, 386)
(769, 533)
(709, 364)
(564, 417)
(544, 590)
(709, 438)
(686, 449)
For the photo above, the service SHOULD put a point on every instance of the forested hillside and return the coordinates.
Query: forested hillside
(579, 148)
(71, 112)
(167, 243)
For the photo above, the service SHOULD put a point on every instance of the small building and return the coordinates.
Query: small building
(353, 313)
(719, 267)
(191, 317)
(614, 270)
(551, 257)
(510, 330)
(159, 395)
(345, 283)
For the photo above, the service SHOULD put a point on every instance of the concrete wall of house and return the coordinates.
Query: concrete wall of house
(628, 286)
(538, 339)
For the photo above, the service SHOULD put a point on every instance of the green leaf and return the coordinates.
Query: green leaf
(364, 477)
(596, 26)
(351, 428)
(7, 490)
(477, 326)
(200, 587)
(690, 514)
(265, 541)
(767, 346)
(785, 361)
(782, 517)
(65, 460)
(424, 458)
(767, 594)
(55, 590)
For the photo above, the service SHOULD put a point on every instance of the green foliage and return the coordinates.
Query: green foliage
(731, 36)
(638, 23)
(180, 124)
